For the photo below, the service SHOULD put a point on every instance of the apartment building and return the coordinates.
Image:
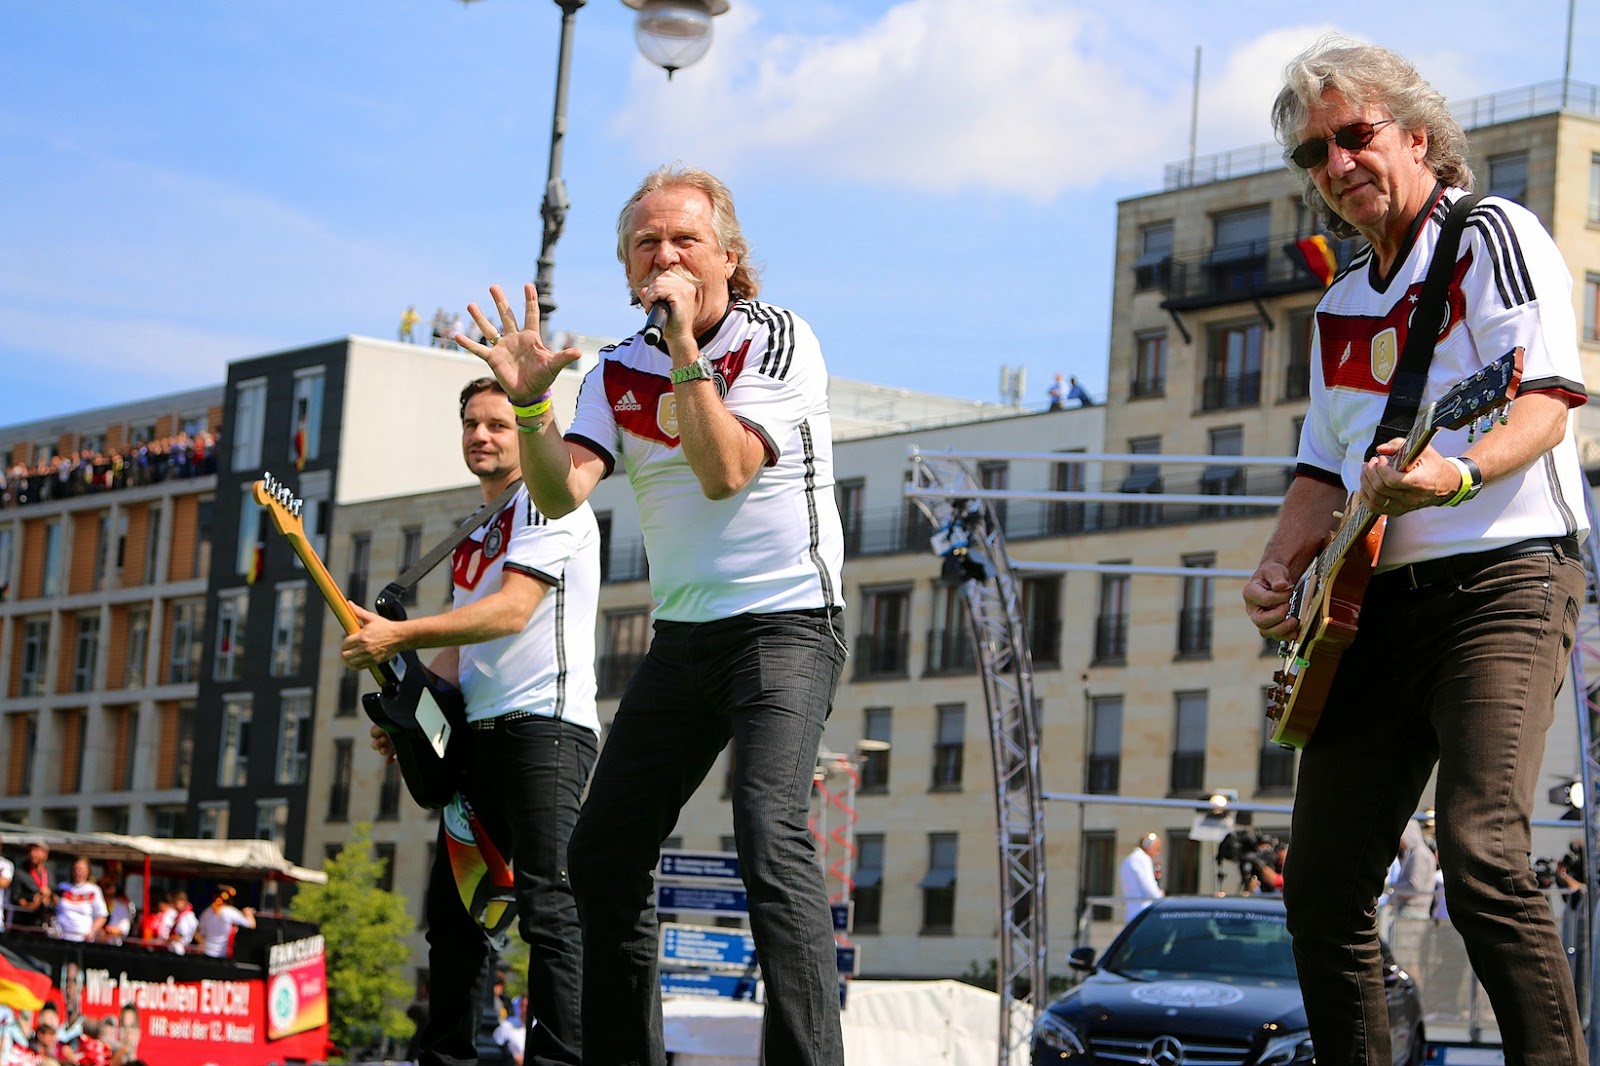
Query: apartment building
(105, 550)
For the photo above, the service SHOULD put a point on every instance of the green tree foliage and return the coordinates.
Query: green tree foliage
(365, 929)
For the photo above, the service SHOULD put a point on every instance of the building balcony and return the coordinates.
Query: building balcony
(1233, 273)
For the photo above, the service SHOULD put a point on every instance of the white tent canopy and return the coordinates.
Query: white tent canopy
(251, 860)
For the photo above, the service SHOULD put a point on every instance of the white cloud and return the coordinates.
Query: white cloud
(1020, 96)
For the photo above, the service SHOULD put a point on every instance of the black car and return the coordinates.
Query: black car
(1201, 981)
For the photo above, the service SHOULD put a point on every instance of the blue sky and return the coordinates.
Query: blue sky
(932, 183)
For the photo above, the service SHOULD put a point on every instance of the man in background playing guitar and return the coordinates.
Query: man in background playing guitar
(520, 645)
(1466, 629)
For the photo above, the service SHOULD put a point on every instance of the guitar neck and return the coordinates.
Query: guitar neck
(336, 600)
(1358, 520)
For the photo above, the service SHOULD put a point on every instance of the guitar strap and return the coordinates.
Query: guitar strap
(419, 569)
(1411, 373)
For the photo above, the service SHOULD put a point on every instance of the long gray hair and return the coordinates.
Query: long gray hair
(745, 282)
(1365, 74)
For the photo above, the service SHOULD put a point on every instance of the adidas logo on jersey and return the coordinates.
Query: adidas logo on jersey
(629, 402)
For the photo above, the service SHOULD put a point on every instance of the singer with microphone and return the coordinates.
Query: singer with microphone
(719, 409)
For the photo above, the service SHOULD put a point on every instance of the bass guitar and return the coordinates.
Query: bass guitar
(419, 710)
(1327, 599)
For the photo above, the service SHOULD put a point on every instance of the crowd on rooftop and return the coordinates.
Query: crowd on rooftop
(182, 455)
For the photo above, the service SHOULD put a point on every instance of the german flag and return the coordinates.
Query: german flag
(258, 559)
(23, 986)
(1319, 257)
(300, 446)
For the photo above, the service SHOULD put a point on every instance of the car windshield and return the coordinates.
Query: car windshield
(1215, 942)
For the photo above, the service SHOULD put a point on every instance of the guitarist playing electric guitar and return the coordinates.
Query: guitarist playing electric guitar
(1466, 628)
(519, 643)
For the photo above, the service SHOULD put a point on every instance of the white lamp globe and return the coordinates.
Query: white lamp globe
(673, 34)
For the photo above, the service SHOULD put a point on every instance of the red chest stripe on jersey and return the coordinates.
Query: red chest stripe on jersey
(635, 395)
(1359, 351)
(472, 557)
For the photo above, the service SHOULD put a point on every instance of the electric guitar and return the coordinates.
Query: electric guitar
(419, 710)
(1327, 599)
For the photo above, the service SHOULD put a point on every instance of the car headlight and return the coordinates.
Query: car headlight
(1290, 1047)
(1056, 1032)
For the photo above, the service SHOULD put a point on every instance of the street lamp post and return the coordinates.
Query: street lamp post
(553, 210)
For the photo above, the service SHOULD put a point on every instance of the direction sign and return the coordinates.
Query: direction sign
(718, 865)
(704, 945)
(702, 899)
(848, 958)
(727, 985)
(841, 917)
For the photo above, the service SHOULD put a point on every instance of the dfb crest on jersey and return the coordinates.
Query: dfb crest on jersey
(493, 542)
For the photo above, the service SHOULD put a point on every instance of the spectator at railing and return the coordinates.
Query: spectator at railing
(145, 463)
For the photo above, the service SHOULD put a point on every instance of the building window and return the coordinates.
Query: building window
(995, 476)
(1508, 176)
(868, 891)
(102, 549)
(950, 638)
(35, 642)
(183, 748)
(1275, 766)
(1041, 619)
(410, 552)
(1111, 621)
(877, 723)
(389, 793)
(205, 533)
(85, 652)
(1194, 617)
(188, 627)
(249, 422)
(949, 746)
(167, 822)
(1237, 262)
(1153, 266)
(915, 529)
(233, 762)
(294, 738)
(355, 585)
(1142, 478)
(288, 625)
(1297, 375)
(232, 606)
(339, 790)
(883, 644)
(939, 885)
(52, 559)
(384, 852)
(349, 693)
(1099, 865)
(1066, 516)
(138, 646)
(213, 824)
(8, 554)
(1103, 774)
(627, 639)
(1594, 188)
(305, 423)
(1591, 307)
(249, 561)
(272, 821)
(851, 494)
(1149, 364)
(152, 546)
(1189, 743)
(1182, 868)
(1225, 479)
(1233, 367)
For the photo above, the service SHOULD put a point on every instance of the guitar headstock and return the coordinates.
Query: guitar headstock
(282, 504)
(1491, 387)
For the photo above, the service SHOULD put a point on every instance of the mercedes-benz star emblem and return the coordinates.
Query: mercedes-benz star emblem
(1166, 1051)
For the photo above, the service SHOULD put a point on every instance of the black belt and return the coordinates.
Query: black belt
(486, 725)
(1457, 568)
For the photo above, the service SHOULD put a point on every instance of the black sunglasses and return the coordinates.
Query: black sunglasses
(1351, 138)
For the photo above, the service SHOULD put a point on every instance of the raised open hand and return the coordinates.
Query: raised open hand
(517, 355)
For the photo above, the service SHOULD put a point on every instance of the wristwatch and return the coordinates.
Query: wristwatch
(700, 368)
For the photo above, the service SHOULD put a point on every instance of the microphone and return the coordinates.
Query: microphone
(655, 321)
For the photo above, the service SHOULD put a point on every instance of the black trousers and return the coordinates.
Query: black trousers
(528, 776)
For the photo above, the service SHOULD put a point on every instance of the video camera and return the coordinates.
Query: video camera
(1251, 850)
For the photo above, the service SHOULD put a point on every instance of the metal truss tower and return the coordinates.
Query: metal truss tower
(1585, 684)
(967, 535)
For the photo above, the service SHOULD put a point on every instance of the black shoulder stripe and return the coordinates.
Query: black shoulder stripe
(1491, 246)
(1505, 254)
(1523, 279)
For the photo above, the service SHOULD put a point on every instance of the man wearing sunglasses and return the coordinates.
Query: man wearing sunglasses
(1465, 632)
